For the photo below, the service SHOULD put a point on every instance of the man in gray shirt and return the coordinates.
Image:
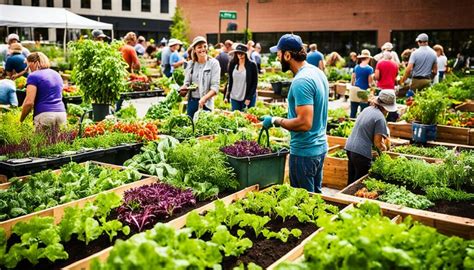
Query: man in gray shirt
(165, 61)
(422, 65)
(370, 129)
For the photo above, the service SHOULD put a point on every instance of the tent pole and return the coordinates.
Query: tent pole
(112, 33)
(64, 43)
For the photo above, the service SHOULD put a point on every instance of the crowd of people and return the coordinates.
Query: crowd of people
(240, 64)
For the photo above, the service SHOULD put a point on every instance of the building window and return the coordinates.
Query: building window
(126, 5)
(107, 4)
(67, 3)
(50, 3)
(146, 6)
(17, 2)
(35, 3)
(164, 6)
(85, 3)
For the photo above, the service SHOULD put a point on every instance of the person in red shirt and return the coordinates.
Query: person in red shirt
(386, 73)
(128, 51)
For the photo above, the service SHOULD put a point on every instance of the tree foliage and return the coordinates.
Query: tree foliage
(180, 27)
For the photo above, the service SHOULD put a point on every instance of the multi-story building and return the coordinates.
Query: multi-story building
(340, 25)
(149, 18)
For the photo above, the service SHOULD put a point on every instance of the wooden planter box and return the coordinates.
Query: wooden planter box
(296, 254)
(341, 89)
(58, 211)
(177, 223)
(335, 170)
(446, 224)
(181, 222)
(467, 106)
(447, 134)
(333, 140)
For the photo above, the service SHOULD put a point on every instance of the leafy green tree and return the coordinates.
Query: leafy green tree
(180, 27)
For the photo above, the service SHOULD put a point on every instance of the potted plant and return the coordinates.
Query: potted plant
(280, 84)
(100, 72)
(427, 110)
(254, 164)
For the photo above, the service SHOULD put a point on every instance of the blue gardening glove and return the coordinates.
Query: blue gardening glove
(267, 122)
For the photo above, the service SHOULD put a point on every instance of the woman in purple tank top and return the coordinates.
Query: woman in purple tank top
(43, 93)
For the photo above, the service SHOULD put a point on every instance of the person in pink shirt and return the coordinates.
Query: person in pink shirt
(386, 73)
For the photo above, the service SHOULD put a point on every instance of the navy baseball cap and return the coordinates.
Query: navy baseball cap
(288, 42)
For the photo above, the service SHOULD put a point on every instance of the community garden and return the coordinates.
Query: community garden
(113, 190)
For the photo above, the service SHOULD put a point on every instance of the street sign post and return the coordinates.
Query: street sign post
(225, 15)
(228, 15)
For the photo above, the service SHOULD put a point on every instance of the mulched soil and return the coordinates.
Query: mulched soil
(461, 209)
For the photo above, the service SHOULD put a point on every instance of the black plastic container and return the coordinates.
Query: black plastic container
(115, 155)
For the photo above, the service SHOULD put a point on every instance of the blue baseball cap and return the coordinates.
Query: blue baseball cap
(288, 42)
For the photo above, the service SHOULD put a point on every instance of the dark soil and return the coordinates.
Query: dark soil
(461, 209)
(265, 252)
(78, 250)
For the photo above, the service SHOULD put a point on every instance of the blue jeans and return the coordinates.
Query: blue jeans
(240, 105)
(193, 106)
(355, 107)
(440, 76)
(307, 172)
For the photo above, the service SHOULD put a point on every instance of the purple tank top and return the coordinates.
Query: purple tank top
(49, 85)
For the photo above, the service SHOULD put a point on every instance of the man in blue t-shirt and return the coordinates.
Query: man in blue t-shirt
(307, 114)
(176, 60)
(8, 93)
(315, 58)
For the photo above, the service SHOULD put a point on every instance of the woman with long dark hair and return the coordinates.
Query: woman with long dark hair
(243, 79)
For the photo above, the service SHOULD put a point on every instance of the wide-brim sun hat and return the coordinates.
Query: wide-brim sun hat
(174, 41)
(239, 48)
(387, 100)
(197, 40)
(387, 46)
(13, 37)
(364, 54)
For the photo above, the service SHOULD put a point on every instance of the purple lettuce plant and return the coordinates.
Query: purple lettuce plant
(146, 205)
(245, 149)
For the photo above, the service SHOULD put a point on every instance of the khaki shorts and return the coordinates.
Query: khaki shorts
(419, 84)
(49, 119)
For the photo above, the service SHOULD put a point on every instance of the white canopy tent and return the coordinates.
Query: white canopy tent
(46, 17)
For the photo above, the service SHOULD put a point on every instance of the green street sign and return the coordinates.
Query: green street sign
(228, 15)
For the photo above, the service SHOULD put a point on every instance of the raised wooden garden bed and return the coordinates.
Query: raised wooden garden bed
(443, 216)
(297, 253)
(58, 211)
(335, 170)
(333, 140)
(176, 223)
(447, 134)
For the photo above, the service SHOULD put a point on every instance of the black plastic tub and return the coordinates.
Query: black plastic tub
(115, 155)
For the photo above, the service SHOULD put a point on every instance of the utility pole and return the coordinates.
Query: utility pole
(246, 23)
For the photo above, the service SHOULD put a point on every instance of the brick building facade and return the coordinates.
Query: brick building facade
(341, 23)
